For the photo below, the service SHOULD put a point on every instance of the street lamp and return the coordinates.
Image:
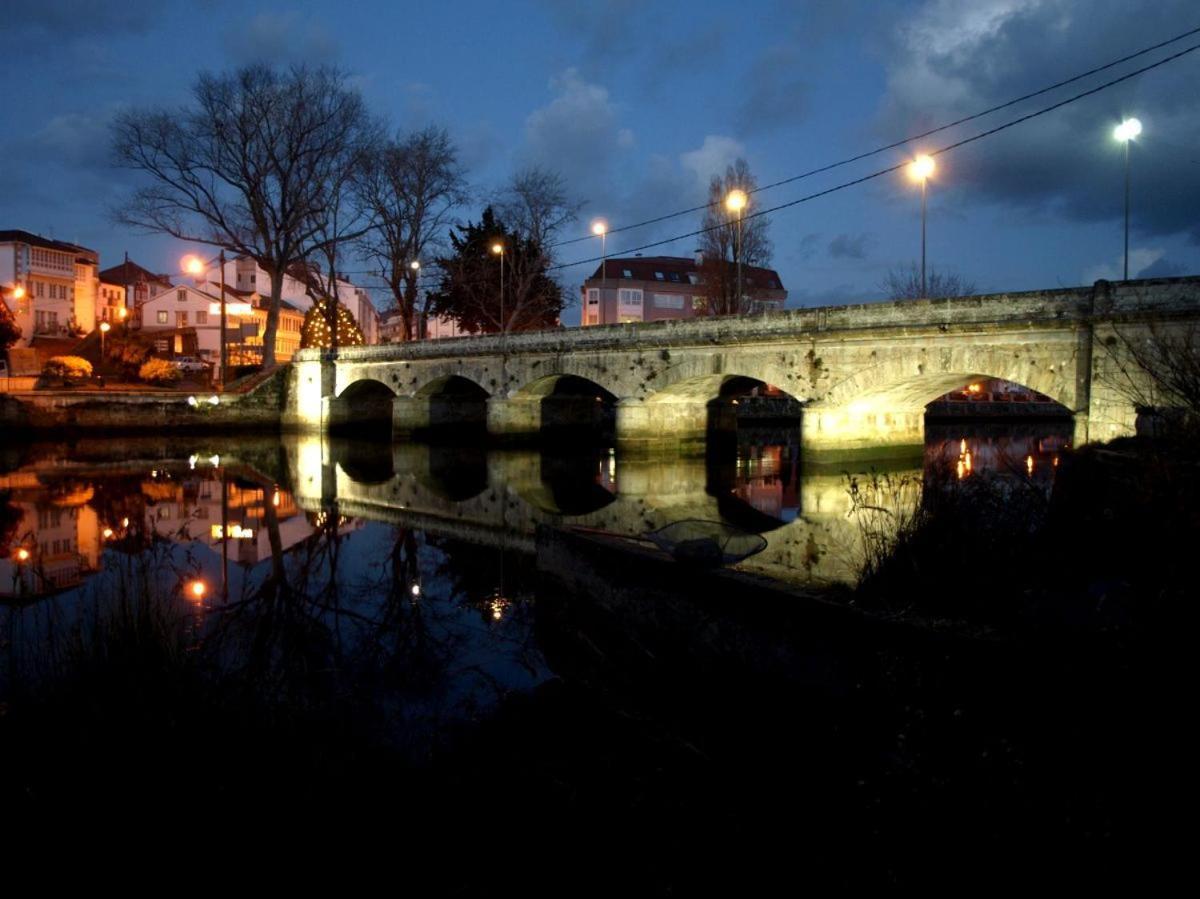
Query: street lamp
(104, 329)
(919, 170)
(195, 266)
(415, 268)
(736, 202)
(600, 229)
(498, 249)
(1125, 133)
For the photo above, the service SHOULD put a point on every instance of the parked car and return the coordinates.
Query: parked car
(189, 364)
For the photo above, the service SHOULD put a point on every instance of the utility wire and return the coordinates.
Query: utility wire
(899, 143)
(877, 151)
(887, 171)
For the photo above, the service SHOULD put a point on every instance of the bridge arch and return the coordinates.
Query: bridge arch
(569, 407)
(364, 404)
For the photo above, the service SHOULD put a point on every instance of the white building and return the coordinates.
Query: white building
(49, 285)
(246, 275)
(189, 320)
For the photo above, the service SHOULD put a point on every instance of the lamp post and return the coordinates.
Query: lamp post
(919, 170)
(1125, 133)
(600, 229)
(104, 329)
(195, 266)
(415, 267)
(498, 249)
(736, 202)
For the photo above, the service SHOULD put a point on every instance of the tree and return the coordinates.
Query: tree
(412, 185)
(904, 283)
(247, 167)
(10, 333)
(721, 246)
(470, 292)
(317, 330)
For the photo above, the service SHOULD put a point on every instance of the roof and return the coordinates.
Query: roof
(131, 273)
(36, 240)
(229, 289)
(675, 270)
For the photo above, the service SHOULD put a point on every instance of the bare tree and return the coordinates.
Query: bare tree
(1155, 365)
(904, 283)
(537, 206)
(412, 186)
(246, 167)
(721, 246)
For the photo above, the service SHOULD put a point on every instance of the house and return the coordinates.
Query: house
(246, 275)
(51, 287)
(139, 284)
(186, 320)
(655, 288)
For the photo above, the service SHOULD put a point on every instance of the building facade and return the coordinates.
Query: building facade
(51, 287)
(657, 288)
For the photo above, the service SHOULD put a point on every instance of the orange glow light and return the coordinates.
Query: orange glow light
(22, 555)
(196, 590)
(1029, 464)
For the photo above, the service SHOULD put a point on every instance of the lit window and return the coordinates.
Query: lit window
(162, 318)
(628, 273)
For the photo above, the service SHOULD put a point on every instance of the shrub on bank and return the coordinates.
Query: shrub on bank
(67, 367)
(158, 371)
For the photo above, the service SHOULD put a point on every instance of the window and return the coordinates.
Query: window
(668, 301)
(629, 306)
(631, 297)
(181, 320)
(658, 276)
(593, 318)
(627, 273)
(181, 295)
(699, 304)
(40, 288)
(675, 277)
(162, 318)
(693, 278)
(202, 318)
(593, 296)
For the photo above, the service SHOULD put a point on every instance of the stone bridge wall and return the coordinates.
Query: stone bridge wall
(864, 373)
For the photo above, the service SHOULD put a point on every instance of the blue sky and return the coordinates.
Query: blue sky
(638, 103)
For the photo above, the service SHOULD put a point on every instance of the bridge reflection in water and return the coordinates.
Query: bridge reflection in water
(499, 497)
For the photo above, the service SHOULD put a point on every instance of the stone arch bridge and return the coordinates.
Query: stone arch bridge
(863, 373)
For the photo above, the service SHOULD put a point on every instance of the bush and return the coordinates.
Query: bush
(68, 367)
(158, 371)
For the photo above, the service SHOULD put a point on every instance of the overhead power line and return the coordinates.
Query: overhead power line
(899, 143)
(893, 168)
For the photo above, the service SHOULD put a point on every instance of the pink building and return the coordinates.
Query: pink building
(654, 288)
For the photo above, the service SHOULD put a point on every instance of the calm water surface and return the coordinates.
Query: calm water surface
(406, 570)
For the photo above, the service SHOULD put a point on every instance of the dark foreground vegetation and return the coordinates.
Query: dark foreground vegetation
(1033, 737)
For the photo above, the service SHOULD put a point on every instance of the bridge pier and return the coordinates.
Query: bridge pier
(514, 418)
(849, 432)
(646, 428)
(410, 415)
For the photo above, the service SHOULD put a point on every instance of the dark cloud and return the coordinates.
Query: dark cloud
(948, 60)
(277, 38)
(78, 18)
(846, 246)
(1163, 268)
(774, 93)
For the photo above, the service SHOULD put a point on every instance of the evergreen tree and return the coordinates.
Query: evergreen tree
(470, 288)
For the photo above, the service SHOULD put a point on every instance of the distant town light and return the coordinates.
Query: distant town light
(196, 589)
(1127, 130)
(416, 589)
(105, 327)
(736, 200)
(18, 292)
(107, 533)
(921, 167)
(22, 555)
(215, 460)
(191, 401)
(214, 400)
(415, 265)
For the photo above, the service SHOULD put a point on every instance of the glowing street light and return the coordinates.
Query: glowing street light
(195, 266)
(600, 229)
(919, 170)
(736, 202)
(1125, 133)
(196, 589)
(18, 292)
(498, 249)
(105, 327)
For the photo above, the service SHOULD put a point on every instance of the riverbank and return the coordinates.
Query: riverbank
(257, 405)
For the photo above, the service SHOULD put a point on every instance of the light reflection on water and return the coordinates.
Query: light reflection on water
(407, 565)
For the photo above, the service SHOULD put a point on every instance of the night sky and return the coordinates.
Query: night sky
(638, 103)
